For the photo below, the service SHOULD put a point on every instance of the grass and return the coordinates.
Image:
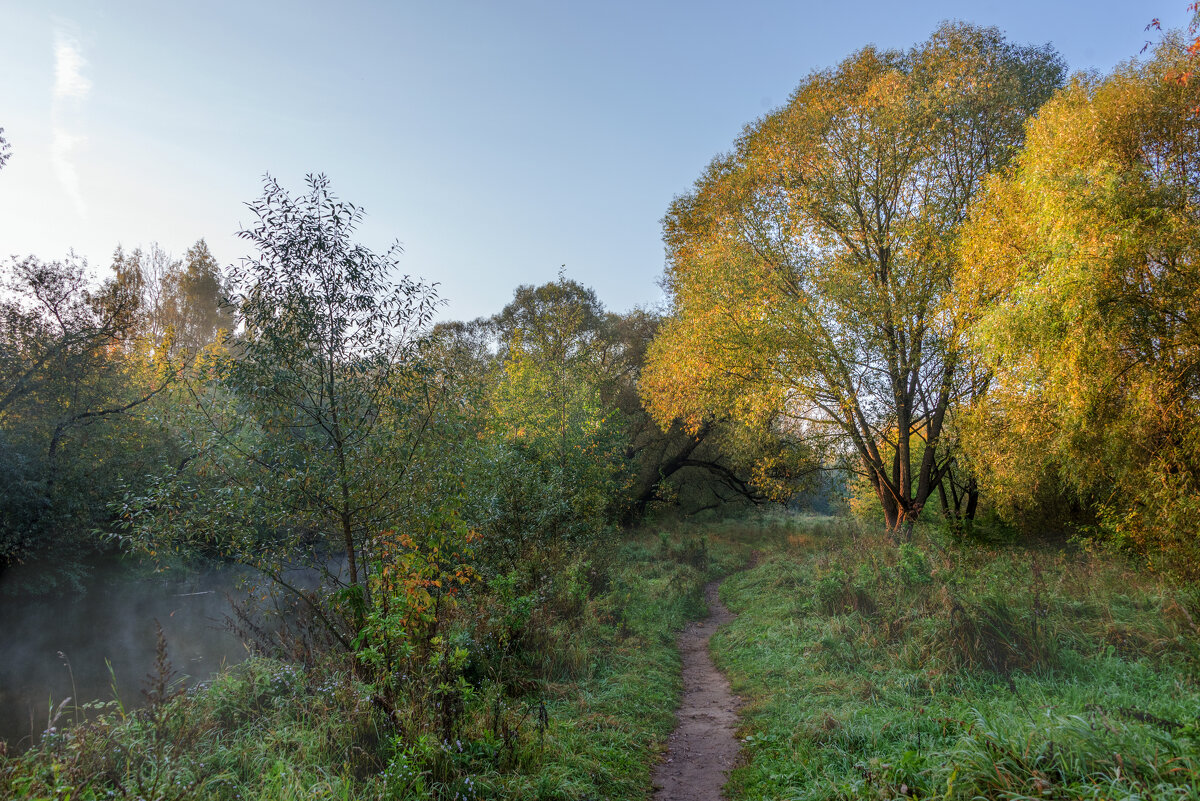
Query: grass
(579, 707)
(934, 669)
(871, 670)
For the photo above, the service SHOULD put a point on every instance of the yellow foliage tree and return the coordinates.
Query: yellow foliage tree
(1081, 283)
(809, 267)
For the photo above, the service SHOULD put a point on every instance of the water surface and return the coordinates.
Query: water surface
(59, 647)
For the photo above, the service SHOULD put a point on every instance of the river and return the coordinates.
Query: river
(59, 647)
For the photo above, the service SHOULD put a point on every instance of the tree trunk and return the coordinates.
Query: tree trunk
(351, 556)
(945, 501)
(972, 498)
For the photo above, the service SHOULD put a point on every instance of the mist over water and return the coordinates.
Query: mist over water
(113, 620)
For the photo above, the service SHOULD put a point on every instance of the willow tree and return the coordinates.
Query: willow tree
(1081, 273)
(321, 430)
(810, 267)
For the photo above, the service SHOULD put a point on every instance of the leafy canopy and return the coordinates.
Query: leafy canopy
(320, 436)
(809, 267)
(1080, 282)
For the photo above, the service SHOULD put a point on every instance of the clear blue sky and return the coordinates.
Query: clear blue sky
(495, 140)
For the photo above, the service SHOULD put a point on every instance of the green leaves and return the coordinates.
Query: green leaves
(321, 436)
(561, 440)
(76, 382)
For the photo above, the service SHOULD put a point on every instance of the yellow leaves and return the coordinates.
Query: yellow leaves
(1079, 269)
(811, 271)
(418, 574)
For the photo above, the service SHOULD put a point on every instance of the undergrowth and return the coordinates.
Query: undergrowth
(563, 689)
(959, 671)
(871, 670)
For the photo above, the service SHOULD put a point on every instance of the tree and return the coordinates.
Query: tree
(74, 374)
(321, 430)
(688, 470)
(183, 299)
(550, 365)
(810, 269)
(569, 388)
(1081, 286)
(148, 274)
(549, 405)
(199, 311)
(1186, 71)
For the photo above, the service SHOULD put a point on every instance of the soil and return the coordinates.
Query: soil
(704, 746)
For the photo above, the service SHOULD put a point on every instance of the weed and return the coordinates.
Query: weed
(913, 566)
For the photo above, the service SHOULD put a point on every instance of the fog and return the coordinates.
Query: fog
(57, 647)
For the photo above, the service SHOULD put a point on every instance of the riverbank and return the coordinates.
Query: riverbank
(586, 715)
(868, 669)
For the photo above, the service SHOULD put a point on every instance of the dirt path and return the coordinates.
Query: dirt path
(703, 748)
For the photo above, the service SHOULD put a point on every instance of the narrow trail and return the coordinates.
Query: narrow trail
(704, 745)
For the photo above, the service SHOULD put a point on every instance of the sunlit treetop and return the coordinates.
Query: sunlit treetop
(808, 267)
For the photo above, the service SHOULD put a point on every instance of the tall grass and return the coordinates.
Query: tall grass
(877, 670)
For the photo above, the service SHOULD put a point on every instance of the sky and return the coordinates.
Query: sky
(496, 141)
